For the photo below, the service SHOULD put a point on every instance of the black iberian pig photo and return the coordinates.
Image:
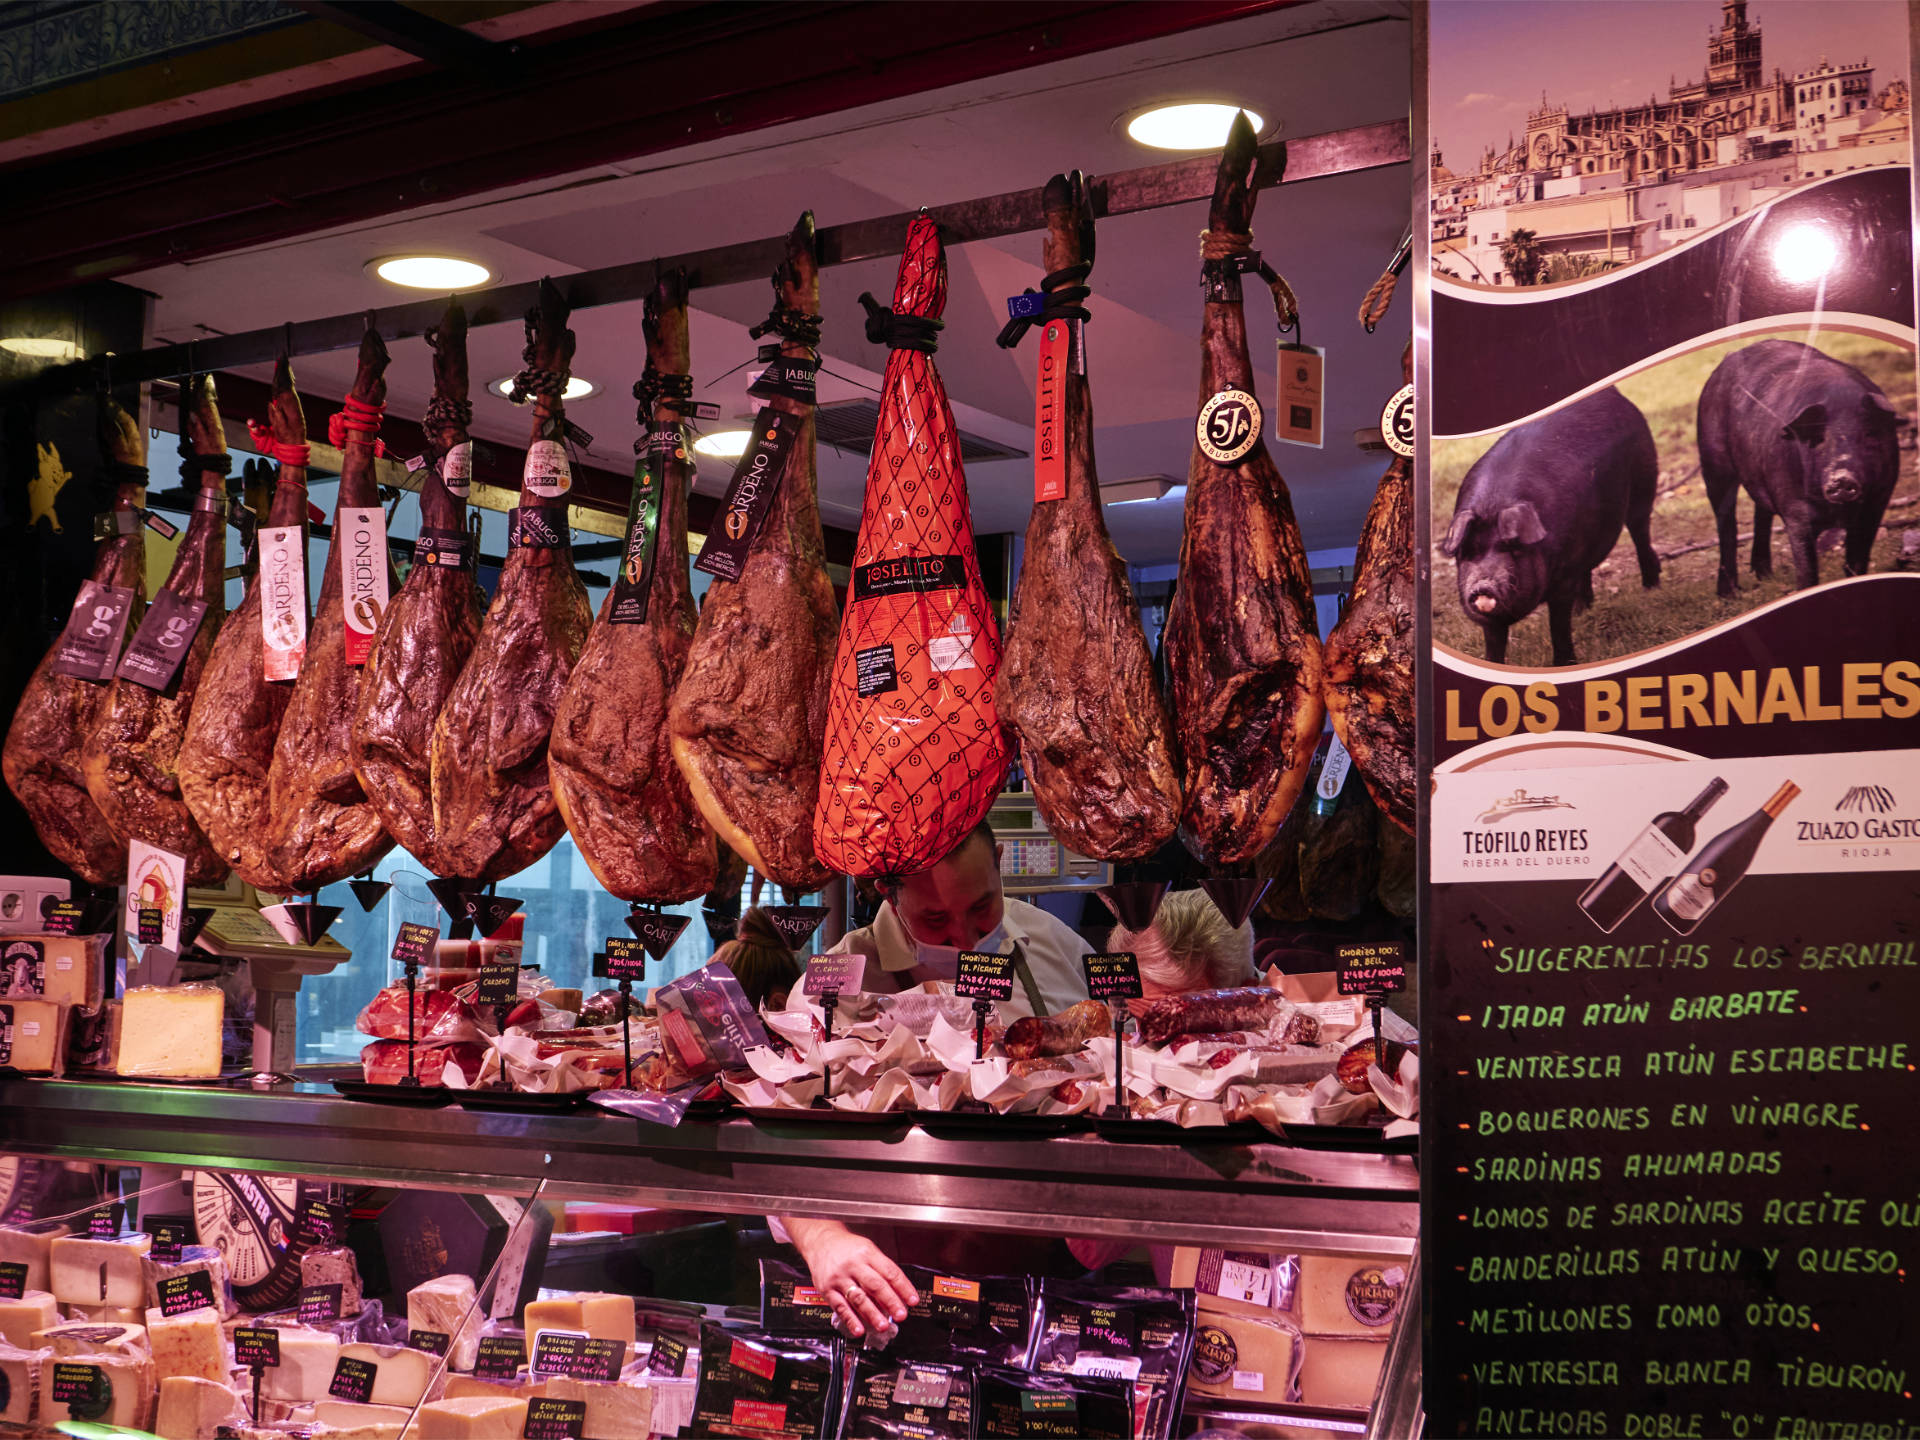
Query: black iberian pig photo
(1813, 441)
(1544, 506)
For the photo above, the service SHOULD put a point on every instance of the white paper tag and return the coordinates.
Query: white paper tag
(29, 1028)
(156, 880)
(1249, 1380)
(1333, 774)
(1241, 1281)
(950, 652)
(456, 471)
(283, 600)
(63, 963)
(1108, 1367)
(547, 474)
(360, 534)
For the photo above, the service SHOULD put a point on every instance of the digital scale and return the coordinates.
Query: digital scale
(240, 932)
(1032, 862)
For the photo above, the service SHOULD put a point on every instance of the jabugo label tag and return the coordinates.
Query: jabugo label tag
(283, 600)
(362, 530)
(1299, 418)
(1050, 412)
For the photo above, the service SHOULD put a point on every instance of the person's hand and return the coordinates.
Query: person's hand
(865, 1288)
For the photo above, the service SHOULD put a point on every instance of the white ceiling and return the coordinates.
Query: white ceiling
(1323, 66)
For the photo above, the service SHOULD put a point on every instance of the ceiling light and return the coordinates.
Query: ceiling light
(430, 272)
(1132, 492)
(35, 348)
(1805, 254)
(577, 389)
(1198, 126)
(724, 444)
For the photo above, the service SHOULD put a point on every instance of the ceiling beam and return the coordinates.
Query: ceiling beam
(447, 47)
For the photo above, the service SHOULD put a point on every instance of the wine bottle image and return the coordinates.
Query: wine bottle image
(1656, 853)
(1720, 865)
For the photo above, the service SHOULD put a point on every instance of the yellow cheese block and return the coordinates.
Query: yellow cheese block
(29, 1245)
(307, 1360)
(120, 1390)
(402, 1375)
(1340, 1374)
(194, 1409)
(171, 1030)
(189, 1344)
(465, 1387)
(615, 1410)
(20, 1372)
(21, 1319)
(601, 1315)
(68, 968)
(193, 1259)
(84, 1271)
(33, 1035)
(1239, 1357)
(477, 1418)
(1350, 1295)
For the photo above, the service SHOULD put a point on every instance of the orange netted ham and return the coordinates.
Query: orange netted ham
(915, 752)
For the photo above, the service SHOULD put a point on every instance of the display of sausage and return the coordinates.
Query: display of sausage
(131, 758)
(1242, 640)
(625, 801)
(429, 630)
(228, 748)
(320, 824)
(749, 717)
(1076, 683)
(493, 806)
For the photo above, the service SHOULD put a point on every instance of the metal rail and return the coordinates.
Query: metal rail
(1258, 1197)
(1335, 152)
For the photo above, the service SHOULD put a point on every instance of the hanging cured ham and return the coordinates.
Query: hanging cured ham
(915, 752)
(1369, 653)
(1077, 682)
(132, 756)
(230, 734)
(320, 824)
(429, 630)
(1242, 641)
(64, 698)
(493, 805)
(625, 802)
(749, 717)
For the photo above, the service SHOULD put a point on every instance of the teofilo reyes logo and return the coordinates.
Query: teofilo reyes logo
(1492, 844)
(1868, 821)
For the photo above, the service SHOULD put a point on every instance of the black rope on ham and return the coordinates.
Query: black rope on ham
(1065, 290)
(900, 332)
(786, 321)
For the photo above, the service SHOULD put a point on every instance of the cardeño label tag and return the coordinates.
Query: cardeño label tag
(363, 574)
(283, 600)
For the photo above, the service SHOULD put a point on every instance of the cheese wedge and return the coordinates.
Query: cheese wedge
(1238, 1357)
(194, 1409)
(172, 1030)
(20, 1371)
(190, 1344)
(29, 1245)
(403, 1375)
(447, 1305)
(33, 1035)
(108, 1314)
(344, 1418)
(615, 1409)
(80, 1339)
(601, 1315)
(475, 1418)
(307, 1360)
(21, 1319)
(1340, 1374)
(1350, 1295)
(70, 969)
(193, 1259)
(121, 1391)
(83, 1271)
(463, 1387)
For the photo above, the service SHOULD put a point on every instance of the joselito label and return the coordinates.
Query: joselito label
(283, 600)
(748, 496)
(1050, 412)
(456, 470)
(907, 574)
(547, 472)
(89, 647)
(161, 644)
(362, 530)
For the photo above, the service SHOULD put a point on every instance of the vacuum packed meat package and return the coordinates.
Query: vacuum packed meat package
(1369, 651)
(1013, 1405)
(228, 750)
(749, 716)
(430, 627)
(773, 1387)
(493, 807)
(967, 1318)
(915, 752)
(1242, 641)
(1134, 1333)
(625, 801)
(891, 1397)
(1076, 684)
(131, 757)
(68, 689)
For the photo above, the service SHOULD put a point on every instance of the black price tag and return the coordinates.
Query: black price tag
(568, 1352)
(1379, 968)
(353, 1379)
(657, 931)
(414, 944)
(320, 1305)
(626, 959)
(83, 1389)
(500, 1357)
(431, 1341)
(171, 1234)
(104, 1223)
(322, 1222)
(63, 917)
(1112, 977)
(669, 1357)
(181, 1293)
(499, 983)
(152, 925)
(984, 976)
(257, 1347)
(549, 1419)
(13, 1279)
(161, 643)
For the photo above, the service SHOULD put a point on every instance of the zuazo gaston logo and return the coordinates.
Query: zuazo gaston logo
(1874, 804)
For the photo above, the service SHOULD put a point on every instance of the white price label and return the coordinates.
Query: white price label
(548, 474)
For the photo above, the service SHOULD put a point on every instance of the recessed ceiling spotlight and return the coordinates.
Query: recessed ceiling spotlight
(430, 272)
(724, 444)
(1192, 126)
(577, 388)
(38, 348)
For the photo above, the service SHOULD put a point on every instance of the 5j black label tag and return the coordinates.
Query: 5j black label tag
(181, 1293)
(446, 548)
(748, 496)
(353, 1380)
(537, 527)
(171, 1233)
(161, 643)
(788, 377)
(499, 1358)
(89, 647)
(257, 1347)
(984, 976)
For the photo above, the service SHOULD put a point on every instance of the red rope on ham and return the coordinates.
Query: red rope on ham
(284, 454)
(356, 420)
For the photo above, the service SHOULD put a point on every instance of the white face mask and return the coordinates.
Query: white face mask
(945, 959)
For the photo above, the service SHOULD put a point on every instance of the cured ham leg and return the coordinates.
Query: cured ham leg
(625, 802)
(1077, 682)
(749, 717)
(493, 806)
(429, 631)
(131, 758)
(1242, 641)
(56, 711)
(230, 734)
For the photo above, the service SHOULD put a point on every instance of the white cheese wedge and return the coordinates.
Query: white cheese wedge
(615, 1410)
(603, 1316)
(21, 1319)
(82, 1338)
(108, 1314)
(33, 1035)
(345, 1420)
(463, 1387)
(1350, 1295)
(476, 1418)
(191, 1408)
(442, 1305)
(193, 1259)
(171, 1030)
(82, 1271)
(123, 1395)
(307, 1360)
(1340, 1374)
(403, 1374)
(29, 1246)
(190, 1344)
(20, 1383)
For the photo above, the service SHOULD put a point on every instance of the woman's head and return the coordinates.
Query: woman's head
(761, 960)
(1189, 946)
